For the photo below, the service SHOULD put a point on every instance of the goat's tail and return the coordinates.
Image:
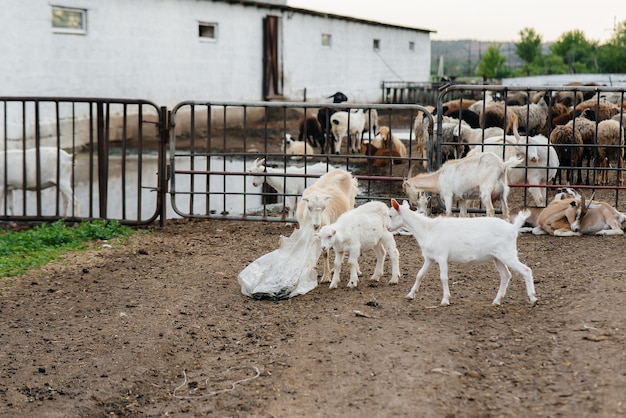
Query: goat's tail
(514, 161)
(520, 219)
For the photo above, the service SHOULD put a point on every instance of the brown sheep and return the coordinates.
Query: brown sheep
(603, 108)
(454, 105)
(384, 145)
(609, 135)
(310, 128)
(568, 144)
(494, 116)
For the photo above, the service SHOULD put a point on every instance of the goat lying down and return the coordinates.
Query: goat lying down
(568, 215)
(361, 228)
(464, 240)
(482, 172)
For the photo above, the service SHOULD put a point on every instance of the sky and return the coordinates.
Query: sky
(484, 20)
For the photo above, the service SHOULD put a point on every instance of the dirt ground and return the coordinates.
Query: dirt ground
(157, 326)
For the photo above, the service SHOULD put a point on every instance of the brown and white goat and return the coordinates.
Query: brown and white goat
(323, 202)
(384, 145)
(560, 218)
(481, 172)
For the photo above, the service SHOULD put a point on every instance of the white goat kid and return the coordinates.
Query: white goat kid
(291, 187)
(471, 240)
(361, 228)
(51, 158)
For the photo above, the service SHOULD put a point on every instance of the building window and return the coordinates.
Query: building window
(68, 20)
(207, 31)
(326, 40)
(411, 46)
(376, 44)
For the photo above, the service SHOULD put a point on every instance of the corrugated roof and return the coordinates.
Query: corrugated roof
(285, 8)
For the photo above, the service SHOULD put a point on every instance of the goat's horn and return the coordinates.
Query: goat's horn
(410, 173)
(516, 133)
(591, 198)
(582, 201)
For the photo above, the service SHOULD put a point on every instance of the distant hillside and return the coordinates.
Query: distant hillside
(461, 57)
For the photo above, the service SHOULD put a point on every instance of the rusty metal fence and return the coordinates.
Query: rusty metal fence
(118, 149)
(140, 163)
(580, 160)
(213, 144)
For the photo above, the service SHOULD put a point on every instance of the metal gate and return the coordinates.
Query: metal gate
(213, 144)
(118, 149)
(123, 165)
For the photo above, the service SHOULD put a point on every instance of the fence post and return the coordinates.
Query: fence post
(103, 161)
(162, 189)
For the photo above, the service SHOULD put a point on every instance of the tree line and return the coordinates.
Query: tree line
(571, 53)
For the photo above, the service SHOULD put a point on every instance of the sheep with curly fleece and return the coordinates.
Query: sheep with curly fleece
(603, 108)
(611, 144)
(531, 118)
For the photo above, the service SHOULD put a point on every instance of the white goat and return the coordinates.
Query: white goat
(420, 131)
(371, 120)
(350, 124)
(296, 148)
(51, 158)
(361, 228)
(539, 157)
(323, 202)
(474, 136)
(471, 240)
(291, 187)
(484, 172)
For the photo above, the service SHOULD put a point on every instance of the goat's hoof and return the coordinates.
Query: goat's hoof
(410, 296)
(393, 281)
(533, 301)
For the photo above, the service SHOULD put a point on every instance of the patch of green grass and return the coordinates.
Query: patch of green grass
(24, 250)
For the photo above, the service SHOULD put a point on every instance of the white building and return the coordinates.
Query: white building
(167, 51)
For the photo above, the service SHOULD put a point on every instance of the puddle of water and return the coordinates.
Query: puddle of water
(233, 194)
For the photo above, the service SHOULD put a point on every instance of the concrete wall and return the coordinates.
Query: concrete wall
(150, 49)
(350, 64)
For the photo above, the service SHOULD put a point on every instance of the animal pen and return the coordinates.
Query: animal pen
(142, 163)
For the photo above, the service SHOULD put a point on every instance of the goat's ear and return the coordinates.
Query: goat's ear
(394, 204)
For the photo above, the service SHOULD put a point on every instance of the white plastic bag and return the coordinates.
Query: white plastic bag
(286, 272)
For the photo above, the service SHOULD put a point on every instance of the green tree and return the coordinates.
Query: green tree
(612, 55)
(577, 52)
(529, 50)
(492, 66)
(552, 64)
